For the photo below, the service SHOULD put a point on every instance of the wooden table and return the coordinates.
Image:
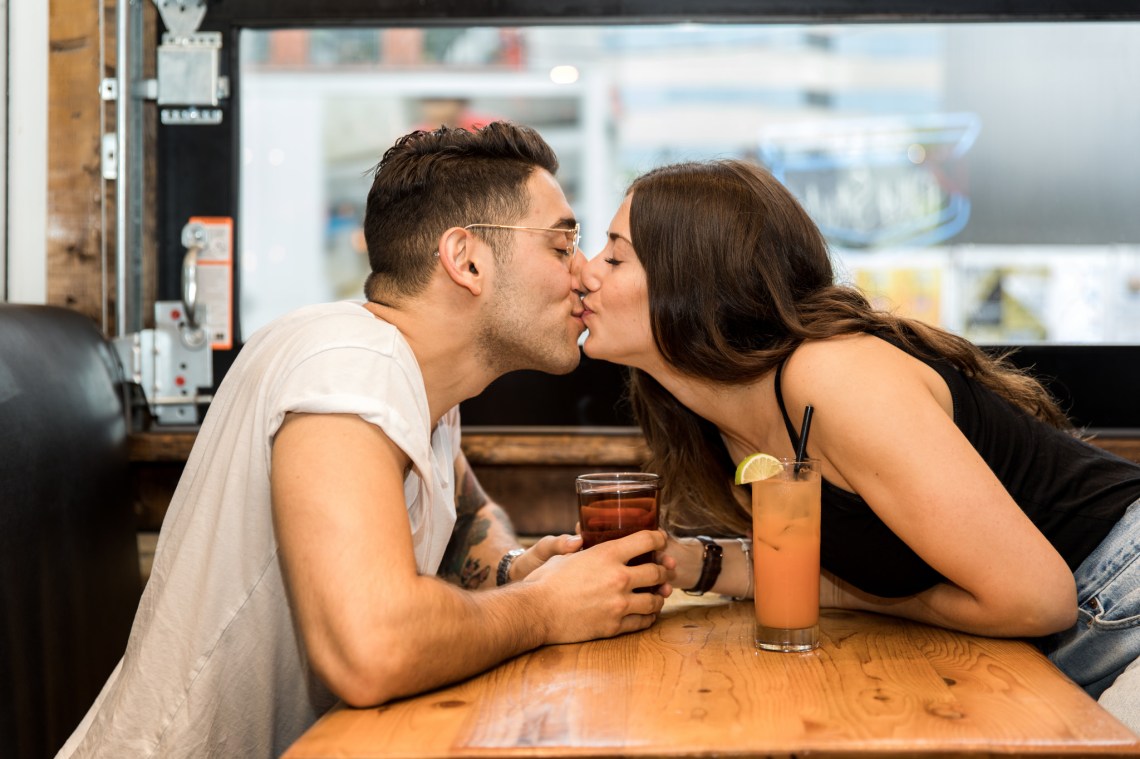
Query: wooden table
(693, 685)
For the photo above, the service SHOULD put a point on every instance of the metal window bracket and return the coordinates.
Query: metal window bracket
(110, 157)
(189, 83)
(181, 17)
(188, 63)
(188, 69)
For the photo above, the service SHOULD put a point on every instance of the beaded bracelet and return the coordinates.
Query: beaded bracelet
(746, 549)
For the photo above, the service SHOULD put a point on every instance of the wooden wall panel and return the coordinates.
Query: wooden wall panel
(74, 277)
(81, 206)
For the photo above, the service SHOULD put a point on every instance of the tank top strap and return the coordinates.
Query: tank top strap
(792, 434)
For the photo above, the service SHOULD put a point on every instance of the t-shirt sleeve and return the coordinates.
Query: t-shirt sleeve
(361, 381)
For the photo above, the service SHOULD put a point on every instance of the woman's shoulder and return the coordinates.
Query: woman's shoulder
(858, 363)
(862, 385)
(848, 352)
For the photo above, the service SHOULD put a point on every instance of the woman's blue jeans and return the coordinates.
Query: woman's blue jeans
(1106, 637)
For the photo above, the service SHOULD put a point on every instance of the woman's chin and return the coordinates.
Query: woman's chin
(588, 347)
(593, 349)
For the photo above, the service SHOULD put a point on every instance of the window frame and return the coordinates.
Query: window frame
(199, 173)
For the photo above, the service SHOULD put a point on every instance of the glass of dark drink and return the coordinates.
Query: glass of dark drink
(615, 504)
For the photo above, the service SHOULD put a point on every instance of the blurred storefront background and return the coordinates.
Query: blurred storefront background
(980, 177)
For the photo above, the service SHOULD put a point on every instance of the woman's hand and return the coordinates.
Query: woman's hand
(541, 552)
(685, 557)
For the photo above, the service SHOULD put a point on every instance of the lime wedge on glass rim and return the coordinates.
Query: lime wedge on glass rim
(758, 466)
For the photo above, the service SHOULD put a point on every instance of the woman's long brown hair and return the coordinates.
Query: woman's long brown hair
(738, 277)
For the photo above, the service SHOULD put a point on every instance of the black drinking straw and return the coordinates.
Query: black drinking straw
(805, 428)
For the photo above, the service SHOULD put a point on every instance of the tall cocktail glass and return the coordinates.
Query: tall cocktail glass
(785, 551)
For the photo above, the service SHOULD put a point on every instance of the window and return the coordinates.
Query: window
(979, 176)
(964, 174)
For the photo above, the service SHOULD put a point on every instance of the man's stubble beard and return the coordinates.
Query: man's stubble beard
(509, 341)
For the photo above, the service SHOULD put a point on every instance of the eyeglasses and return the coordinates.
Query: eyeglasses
(573, 234)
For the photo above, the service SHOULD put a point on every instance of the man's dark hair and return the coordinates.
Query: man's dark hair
(430, 181)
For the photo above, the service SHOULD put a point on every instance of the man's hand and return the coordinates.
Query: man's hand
(373, 626)
(557, 545)
(592, 594)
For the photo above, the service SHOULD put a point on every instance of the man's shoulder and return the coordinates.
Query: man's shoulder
(341, 324)
(342, 311)
(327, 346)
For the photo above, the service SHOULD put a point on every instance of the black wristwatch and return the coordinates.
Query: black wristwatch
(503, 573)
(710, 566)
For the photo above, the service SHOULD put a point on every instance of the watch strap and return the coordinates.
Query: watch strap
(710, 566)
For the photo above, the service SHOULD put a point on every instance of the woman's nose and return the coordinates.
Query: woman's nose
(592, 272)
(578, 267)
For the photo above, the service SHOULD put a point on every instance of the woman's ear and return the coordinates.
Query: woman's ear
(463, 258)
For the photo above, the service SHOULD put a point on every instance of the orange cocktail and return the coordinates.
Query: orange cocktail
(785, 551)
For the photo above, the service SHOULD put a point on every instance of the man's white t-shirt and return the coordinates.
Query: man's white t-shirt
(214, 666)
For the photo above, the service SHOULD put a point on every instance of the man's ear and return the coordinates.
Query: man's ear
(463, 259)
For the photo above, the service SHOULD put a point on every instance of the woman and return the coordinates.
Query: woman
(955, 491)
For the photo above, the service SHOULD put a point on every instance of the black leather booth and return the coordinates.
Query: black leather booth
(69, 572)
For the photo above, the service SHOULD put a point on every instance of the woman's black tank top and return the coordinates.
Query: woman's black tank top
(1073, 492)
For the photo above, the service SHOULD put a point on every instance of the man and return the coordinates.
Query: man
(296, 563)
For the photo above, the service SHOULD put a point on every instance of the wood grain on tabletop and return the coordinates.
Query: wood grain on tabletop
(693, 685)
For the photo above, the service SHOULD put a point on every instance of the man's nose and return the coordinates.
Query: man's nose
(578, 270)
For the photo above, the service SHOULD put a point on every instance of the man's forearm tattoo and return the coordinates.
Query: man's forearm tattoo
(471, 529)
(458, 564)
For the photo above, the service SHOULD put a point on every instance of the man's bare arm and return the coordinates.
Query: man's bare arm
(373, 626)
